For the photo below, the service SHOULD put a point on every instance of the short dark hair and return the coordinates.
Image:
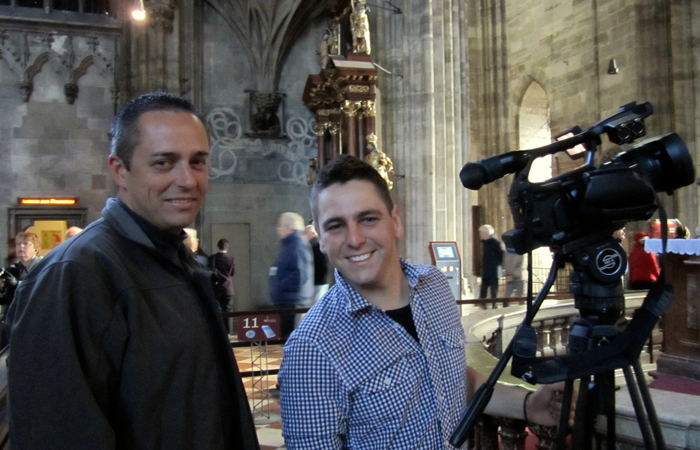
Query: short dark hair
(346, 168)
(222, 244)
(125, 133)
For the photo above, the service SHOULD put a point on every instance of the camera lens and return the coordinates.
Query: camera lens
(623, 133)
(637, 128)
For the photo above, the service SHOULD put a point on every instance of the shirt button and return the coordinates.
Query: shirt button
(426, 353)
(447, 444)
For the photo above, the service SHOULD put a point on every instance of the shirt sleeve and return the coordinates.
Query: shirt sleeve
(312, 401)
(67, 344)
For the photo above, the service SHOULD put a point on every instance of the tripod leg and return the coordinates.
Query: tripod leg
(642, 419)
(582, 437)
(563, 429)
(605, 383)
(649, 405)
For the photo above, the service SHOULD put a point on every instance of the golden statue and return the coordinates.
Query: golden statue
(379, 160)
(359, 25)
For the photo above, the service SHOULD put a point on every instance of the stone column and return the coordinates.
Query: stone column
(425, 121)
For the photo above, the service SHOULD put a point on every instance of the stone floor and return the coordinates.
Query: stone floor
(262, 393)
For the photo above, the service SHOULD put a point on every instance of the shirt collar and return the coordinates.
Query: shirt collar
(160, 238)
(357, 302)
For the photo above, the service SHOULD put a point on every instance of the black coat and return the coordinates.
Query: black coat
(117, 343)
(492, 257)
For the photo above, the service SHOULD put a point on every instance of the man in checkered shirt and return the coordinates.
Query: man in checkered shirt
(378, 362)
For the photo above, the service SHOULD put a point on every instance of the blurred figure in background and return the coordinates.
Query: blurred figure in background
(682, 232)
(320, 263)
(292, 277)
(224, 267)
(193, 243)
(643, 266)
(491, 258)
(27, 248)
(72, 231)
(513, 271)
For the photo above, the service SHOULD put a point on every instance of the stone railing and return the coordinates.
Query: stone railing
(489, 332)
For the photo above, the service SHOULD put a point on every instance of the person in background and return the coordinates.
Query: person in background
(682, 232)
(224, 267)
(292, 277)
(513, 271)
(117, 342)
(643, 267)
(320, 263)
(491, 258)
(72, 231)
(192, 242)
(379, 361)
(27, 247)
(619, 235)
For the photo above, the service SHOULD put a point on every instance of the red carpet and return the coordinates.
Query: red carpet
(673, 383)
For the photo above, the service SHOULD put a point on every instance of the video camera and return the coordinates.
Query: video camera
(575, 214)
(573, 205)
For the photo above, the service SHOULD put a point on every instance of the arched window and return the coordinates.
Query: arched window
(534, 130)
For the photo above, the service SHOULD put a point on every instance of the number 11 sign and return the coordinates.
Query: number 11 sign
(258, 327)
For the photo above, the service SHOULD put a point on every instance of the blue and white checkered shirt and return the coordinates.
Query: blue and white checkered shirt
(352, 377)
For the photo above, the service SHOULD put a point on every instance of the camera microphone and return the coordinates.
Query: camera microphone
(475, 175)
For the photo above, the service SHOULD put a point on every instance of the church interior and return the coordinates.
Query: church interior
(419, 88)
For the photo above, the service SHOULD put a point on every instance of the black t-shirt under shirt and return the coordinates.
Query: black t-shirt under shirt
(404, 317)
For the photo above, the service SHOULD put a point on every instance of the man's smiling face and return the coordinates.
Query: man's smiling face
(358, 234)
(168, 177)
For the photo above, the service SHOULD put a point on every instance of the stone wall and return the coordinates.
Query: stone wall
(566, 47)
(53, 144)
(252, 179)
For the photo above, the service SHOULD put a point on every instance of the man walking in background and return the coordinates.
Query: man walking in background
(491, 258)
(224, 267)
(292, 277)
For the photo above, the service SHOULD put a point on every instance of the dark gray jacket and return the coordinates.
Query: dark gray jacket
(118, 344)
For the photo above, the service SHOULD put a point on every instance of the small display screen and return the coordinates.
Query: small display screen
(445, 252)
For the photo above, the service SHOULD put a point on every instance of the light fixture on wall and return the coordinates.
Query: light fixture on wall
(612, 67)
(139, 11)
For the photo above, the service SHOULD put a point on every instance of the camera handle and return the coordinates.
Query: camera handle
(483, 394)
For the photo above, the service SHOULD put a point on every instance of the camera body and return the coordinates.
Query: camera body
(562, 211)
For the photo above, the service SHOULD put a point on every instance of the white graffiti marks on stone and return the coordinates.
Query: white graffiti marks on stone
(226, 131)
(228, 141)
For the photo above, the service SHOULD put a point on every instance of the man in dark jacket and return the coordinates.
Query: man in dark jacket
(224, 267)
(492, 257)
(117, 341)
(292, 277)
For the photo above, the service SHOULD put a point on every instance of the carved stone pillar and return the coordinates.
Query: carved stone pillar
(350, 110)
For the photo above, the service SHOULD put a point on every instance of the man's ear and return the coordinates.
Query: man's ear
(117, 170)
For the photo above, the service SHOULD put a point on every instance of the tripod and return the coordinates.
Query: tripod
(600, 342)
